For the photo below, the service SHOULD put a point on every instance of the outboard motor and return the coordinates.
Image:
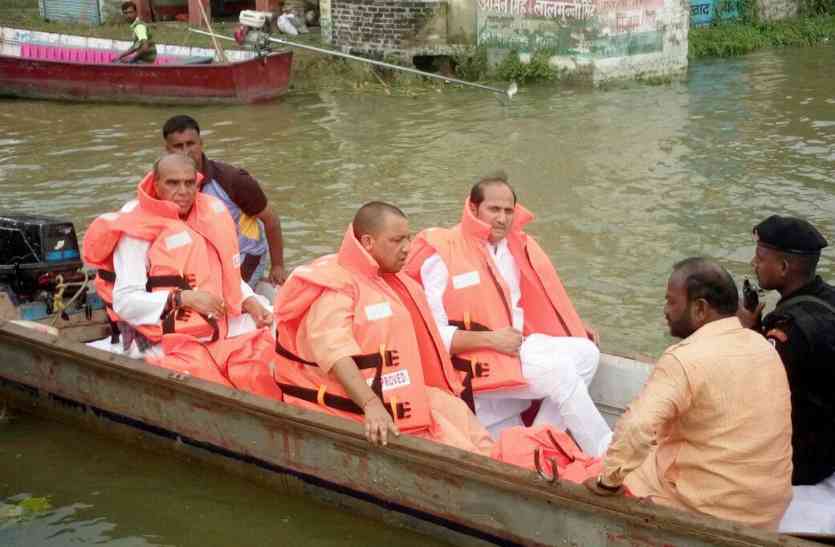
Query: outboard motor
(41, 268)
(255, 30)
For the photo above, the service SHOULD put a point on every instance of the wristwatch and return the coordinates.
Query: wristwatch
(603, 486)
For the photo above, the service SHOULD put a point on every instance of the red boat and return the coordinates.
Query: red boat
(48, 71)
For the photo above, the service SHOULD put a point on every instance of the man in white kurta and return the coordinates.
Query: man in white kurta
(136, 306)
(558, 369)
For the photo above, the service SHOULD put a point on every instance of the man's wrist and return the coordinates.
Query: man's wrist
(364, 406)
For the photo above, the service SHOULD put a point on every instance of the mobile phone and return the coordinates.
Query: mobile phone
(750, 296)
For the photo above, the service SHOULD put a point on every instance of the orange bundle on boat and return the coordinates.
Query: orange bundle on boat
(547, 450)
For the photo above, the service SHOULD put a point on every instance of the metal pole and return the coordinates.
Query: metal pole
(220, 54)
(509, 92)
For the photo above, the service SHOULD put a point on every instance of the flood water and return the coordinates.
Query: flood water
(624, 182)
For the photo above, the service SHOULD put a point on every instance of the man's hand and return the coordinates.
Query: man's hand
(203, 302)
(507, 340)
(378, 423)
(261, 315)
(750, 319)
(278, 275)
(593, 487)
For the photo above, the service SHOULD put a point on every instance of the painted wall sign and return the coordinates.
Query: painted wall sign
(702, 12)
(583, 28)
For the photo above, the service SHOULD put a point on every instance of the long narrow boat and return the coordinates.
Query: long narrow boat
(40, 65)
(454, 495)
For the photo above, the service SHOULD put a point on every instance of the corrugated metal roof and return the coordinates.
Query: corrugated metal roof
(75, 11)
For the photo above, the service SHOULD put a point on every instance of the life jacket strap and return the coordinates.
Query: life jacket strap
(185, 283)
(470, 326)
(470, 369)
(114, 326)
(363, 361)
(397, 410)
(384, 357)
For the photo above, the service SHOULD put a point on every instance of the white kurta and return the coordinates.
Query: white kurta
(812, 509)
(558, 368)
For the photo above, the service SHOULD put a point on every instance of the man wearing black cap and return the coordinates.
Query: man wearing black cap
(802, 328)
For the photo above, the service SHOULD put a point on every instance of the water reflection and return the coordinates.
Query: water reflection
(108, 493)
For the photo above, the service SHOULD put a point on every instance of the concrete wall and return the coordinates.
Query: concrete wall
(597, 40)
(771, 10)
(460, 22)
(704, 12)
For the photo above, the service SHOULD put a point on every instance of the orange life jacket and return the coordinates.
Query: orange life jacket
(242, 362)
(178, 256)
(551, 452)
(383, 329)
(477, 297)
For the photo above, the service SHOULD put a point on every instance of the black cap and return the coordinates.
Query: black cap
(790, 235)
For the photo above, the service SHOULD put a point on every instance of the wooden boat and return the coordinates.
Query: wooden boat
(454, 495)
(49, 66)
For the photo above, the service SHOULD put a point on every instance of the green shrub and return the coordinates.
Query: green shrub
(538, 69)
(471, 66)
(811, 8)
(730, 39)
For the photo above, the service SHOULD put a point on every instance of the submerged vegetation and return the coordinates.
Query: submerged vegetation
(19, 509)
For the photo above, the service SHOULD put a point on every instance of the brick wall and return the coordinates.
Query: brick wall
(387, 26)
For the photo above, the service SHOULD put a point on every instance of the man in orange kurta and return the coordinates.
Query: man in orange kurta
(711, 430)
(323, 329)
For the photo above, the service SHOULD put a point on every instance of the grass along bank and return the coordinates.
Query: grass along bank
(730, 39)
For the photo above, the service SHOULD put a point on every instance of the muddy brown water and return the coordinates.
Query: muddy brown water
(624, 182)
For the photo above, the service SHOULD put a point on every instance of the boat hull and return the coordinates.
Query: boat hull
(448, 491)
(250, 81)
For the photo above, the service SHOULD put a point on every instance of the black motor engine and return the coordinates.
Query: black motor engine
(39, 258)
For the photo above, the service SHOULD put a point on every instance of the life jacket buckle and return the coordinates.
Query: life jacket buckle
(393, 403)
(320, 395)
(537, 461)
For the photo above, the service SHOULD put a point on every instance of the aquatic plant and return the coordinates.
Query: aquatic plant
(16, 512)
(35, 504)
